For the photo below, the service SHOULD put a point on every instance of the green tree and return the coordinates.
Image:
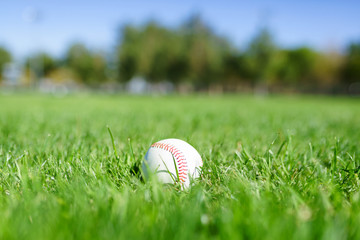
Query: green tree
(206, 52)
(237, 70)
(296, 66)
(351, 68)
(261, 55)
(152, 51)
(128, 51)
(154, 59)
(192, 52)
(327, 69)
(5, 57)
(42, 64)
(88, 67)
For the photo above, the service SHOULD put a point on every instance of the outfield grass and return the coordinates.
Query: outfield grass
(274, 168)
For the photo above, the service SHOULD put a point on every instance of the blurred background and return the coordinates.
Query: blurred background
(189, 46)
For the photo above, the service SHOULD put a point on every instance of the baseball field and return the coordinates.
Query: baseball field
(275, 167)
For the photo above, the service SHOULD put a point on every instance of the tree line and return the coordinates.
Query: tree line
(193, 54)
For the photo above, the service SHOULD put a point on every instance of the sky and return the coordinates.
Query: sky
(28, 26)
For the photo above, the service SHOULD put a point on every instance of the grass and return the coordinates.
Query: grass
(274, 167)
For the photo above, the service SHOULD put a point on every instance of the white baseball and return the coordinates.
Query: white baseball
(165, 156)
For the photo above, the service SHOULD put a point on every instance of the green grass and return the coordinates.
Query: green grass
(274, 168)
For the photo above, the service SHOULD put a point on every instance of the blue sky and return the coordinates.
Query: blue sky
(29, 26)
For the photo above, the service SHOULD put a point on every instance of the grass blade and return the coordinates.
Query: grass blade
(113, 143)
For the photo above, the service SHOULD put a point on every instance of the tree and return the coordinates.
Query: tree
(5, 57)
(151, 51)
(42, 64)
(128, 51)
(351, 68)
(205, 52)
(296, 66)
(237, 70)
(88, 67)
(261, 54)
(157, 52)
(192, 52)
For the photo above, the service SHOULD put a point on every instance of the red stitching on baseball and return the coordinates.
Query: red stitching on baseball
(179, 157)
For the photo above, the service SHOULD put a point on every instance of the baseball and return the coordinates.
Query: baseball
(172, 160)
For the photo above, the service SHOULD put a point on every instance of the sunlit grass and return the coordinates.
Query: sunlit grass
(274, 168)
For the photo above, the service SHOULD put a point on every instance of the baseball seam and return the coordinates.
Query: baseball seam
(179, 158)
